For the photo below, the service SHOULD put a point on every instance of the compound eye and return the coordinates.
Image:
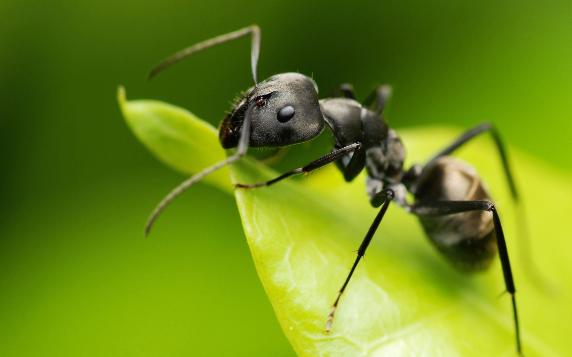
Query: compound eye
(260, 102)
(286, 113)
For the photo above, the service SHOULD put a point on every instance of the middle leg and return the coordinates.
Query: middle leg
(388, 197)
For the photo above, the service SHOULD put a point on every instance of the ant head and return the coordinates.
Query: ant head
(283, 110)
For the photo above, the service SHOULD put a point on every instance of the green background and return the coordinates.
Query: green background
(76, 276)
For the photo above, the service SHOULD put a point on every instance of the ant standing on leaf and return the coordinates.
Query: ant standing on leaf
(452, 204)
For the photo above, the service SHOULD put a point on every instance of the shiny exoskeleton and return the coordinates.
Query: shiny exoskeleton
(450, 199)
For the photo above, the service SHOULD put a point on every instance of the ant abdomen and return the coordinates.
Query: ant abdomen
(467, 239)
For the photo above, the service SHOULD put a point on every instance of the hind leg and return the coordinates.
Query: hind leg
(442, 208)
(471, 134)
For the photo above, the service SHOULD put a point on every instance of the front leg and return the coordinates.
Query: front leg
(316, 164)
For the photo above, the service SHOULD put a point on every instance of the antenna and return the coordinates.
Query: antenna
(252, 30)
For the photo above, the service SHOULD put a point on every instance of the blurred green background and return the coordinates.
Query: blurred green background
(76, 276)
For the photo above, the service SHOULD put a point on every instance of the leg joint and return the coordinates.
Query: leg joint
(389, 194)
(490, 206)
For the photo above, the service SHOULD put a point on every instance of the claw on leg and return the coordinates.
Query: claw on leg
(330, 320)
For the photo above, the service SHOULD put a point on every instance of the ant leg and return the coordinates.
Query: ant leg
(470, 134)
(441, 208)
(377, 100)
(316, 164)
(346, 90)
(242, 148)
(354, 166)
(389, 195)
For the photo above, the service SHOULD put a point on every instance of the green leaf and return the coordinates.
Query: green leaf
(176, 136)
(404, 299)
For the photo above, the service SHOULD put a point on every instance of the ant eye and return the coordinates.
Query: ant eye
(286, 113)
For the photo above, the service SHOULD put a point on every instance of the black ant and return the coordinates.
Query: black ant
(451, 202)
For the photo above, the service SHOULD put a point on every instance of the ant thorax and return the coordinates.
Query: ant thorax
(382, 153)
(384, 165)
(384, 162)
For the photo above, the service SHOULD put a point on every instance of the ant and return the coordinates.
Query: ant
(452, 204)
